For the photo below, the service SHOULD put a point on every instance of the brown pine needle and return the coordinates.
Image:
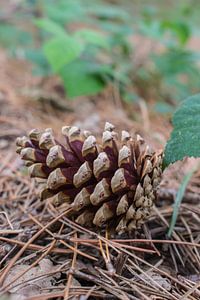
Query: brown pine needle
(119, 241)
(5, 288)
(70, 276)
(61, 241)
(21, 251)
(34, 246)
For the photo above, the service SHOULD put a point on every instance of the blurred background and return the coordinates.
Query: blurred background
(86, 62)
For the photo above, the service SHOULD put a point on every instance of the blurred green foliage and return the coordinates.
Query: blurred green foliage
(91, 44)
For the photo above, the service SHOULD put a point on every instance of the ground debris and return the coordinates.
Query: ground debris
(162, 281)
(34, 281)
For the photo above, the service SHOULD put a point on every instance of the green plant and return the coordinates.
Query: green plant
(67, 56)
(171, 69)
(85, 43)
(184, 142)
(88, 45)
(185, 137)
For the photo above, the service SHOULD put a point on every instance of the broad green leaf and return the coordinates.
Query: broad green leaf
(79, 79)
(50, 26)
(93, 37)
(61, 51)
(185, 137)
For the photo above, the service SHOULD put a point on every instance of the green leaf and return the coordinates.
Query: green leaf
(50, 26)
(180, 29)
(62, 50)
(185, 137)
(79, 79)
(93, 37)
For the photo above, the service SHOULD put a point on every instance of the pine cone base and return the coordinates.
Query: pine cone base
(111, 183)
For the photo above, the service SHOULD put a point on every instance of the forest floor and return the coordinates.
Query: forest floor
(42, 254)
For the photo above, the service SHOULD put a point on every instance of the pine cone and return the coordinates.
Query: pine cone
(113, 183)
